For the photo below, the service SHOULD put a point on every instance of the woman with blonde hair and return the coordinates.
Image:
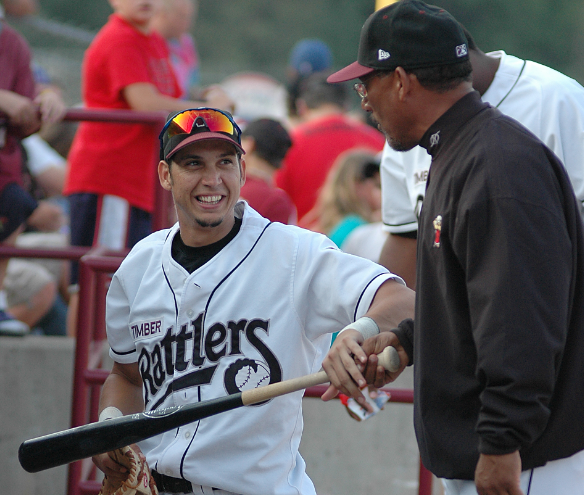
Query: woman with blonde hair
(350, 196)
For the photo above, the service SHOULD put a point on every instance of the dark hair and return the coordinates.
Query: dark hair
(271, 138)
(443, 78)
(316, 91)
(440, 78)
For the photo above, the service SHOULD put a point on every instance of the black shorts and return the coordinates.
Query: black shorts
(102, 220)
(16, 205)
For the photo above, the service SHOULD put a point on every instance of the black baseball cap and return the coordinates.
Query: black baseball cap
(271, 138)
(409, 34)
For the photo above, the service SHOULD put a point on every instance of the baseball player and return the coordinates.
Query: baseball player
(548, 103)
(226, 301)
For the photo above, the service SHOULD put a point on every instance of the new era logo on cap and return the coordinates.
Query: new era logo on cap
(382, 55)
(461, 50)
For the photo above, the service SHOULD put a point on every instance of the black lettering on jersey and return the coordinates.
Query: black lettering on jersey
(421, 177)
(146, 329)
(180, 362)
(158, 365)
(166, 344)
(197, 324)
(250, 333)
(216, 336)
(236, 329)
(144, 366)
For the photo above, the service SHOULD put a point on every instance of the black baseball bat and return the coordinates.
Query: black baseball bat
(71, 445)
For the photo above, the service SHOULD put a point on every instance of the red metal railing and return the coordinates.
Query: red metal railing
(95, 269)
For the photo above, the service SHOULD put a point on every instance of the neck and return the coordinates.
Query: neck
(434, 105)
(196, 235)
(143, 27)
(257, 167)
(484, 69)
(322, 111)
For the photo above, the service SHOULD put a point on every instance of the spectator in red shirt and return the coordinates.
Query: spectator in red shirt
(110, 180)
(266, 143)
(324, 133)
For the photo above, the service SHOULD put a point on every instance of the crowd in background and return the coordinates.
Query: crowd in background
(311, 158)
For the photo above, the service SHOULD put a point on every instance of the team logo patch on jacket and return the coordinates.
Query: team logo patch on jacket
(437, 231)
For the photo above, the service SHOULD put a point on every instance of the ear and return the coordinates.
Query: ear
(404, 82)
(164, 175)
(248, 144)
(243, 170)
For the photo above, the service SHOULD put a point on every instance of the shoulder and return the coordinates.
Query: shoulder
(13, 41)
(518, 166)
(548, 78)
(293, 235)
(147, 249)
(548, 81)
(115, 32)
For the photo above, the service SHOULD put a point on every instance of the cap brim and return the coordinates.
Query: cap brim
(203, 136)
(352, 71)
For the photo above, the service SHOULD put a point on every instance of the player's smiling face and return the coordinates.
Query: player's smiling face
(205, 179)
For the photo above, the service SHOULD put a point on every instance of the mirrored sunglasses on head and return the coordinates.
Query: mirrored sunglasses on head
(200, 120)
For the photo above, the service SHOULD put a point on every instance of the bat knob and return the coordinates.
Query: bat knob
(389, 359)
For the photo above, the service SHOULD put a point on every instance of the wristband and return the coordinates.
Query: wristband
(365, 326)
(110, 412)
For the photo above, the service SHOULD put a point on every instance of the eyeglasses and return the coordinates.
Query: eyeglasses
(200, 120)
(361, 89)
(361, 86)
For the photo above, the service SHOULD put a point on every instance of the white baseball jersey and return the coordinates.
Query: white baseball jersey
(548, 103)
(260, 311)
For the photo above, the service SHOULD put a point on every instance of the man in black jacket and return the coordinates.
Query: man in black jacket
(498, 341)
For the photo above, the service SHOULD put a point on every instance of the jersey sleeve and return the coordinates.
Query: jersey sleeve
(398, 210)
(117, 313)
(333, 288)
(562, 122)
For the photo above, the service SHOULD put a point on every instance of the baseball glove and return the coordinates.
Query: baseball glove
(138, 482)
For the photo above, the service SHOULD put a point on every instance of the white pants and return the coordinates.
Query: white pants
(561, 477)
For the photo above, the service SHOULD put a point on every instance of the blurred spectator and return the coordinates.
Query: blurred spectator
(22, 112)
(324, 133)
(266, 143)
(306, 57)
(258, 95)
(174, 21)
(36, 289)
(19, 8)
(350, 197)
(47, 167)
(366, 241)
(110, 180)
